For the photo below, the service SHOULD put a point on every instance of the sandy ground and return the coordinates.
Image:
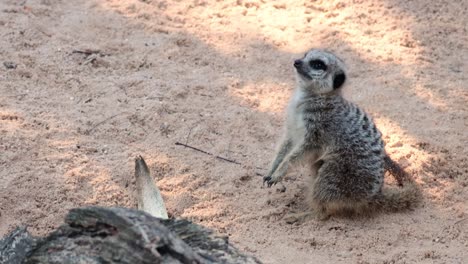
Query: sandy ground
(217, 75)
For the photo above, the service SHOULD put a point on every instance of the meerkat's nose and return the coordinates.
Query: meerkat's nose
(297, 63)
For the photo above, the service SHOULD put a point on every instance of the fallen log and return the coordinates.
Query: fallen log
(122, 235)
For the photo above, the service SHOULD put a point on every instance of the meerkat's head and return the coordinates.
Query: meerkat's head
(320, 72)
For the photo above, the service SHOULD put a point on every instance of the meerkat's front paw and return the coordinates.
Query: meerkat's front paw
(267, 179)
(270, 180)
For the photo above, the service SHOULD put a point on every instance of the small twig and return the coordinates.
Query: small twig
(155, 97)
(90, 59)
(216, 156)
(13, 96)
(199, 150)
(104, 121)
(461, 220)
(88, 52)
(228, 160)
(133, 83)
(43, 32)
(73, 79)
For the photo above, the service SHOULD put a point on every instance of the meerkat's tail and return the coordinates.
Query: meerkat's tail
(399, 199)
(149, 197)
(395, 170)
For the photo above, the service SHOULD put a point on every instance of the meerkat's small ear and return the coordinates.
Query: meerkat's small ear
(338, 80)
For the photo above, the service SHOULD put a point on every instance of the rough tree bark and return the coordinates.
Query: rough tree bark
(120, 235)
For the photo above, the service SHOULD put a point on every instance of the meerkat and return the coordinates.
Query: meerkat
(340, 143)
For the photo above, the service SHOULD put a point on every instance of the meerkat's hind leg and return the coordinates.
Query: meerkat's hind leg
(324, 198)
(299, 217)
(328, 203)
(320, 211)
(317, 213)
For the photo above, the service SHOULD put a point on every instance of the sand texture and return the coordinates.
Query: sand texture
(85, 86)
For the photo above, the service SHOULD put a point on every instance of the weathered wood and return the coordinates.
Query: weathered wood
(120, 235)
(204, 242)
(148, 195)
(15, 246)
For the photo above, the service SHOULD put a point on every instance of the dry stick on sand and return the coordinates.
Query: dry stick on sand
(459, 221)
(88, 52)
(13, 96)
(216, 156)
(103, 121)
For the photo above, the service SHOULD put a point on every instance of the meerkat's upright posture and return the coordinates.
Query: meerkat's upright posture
(340, 142)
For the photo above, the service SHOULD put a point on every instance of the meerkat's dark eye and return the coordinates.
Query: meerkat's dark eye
(318, 65)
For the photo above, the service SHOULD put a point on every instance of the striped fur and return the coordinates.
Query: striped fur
(341, 141)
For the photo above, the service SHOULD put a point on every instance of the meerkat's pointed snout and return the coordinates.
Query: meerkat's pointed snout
(297, 63)
(149, 197)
